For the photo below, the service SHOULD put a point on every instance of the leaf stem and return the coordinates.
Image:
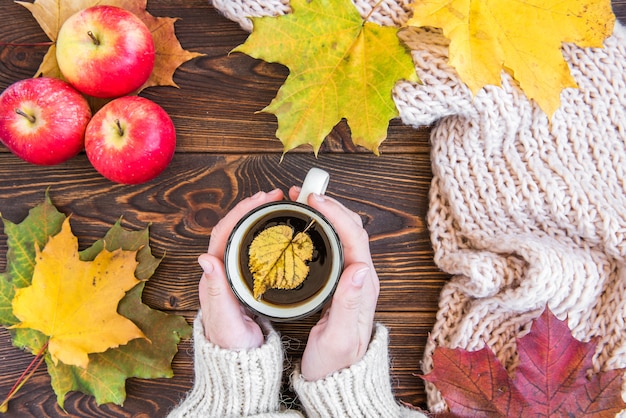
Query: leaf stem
(309, 225)
(372, 11)
(26, 374)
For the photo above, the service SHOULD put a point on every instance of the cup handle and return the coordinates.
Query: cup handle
(316, 181)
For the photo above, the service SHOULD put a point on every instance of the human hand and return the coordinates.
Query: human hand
(226, 322)
(342, 335)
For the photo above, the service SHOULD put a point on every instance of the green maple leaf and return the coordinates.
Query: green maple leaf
(117, 237)
(340, 67)
(106, 374)
(42, 221)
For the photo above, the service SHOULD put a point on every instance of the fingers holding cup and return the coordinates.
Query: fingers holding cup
(221, 231)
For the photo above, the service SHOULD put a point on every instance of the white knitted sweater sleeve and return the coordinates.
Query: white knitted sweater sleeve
(229, 383)
(524, 212)
(361, 390)
(246, 383)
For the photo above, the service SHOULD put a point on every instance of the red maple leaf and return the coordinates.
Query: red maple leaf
(552, 379)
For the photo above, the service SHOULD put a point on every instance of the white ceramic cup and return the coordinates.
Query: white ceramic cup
(325, 267)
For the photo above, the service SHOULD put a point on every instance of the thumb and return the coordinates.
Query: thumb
(216, 296)
(346, 306)
(225, 323)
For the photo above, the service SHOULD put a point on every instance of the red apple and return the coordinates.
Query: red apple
(130, 140)
(105, 51)
(43, 120)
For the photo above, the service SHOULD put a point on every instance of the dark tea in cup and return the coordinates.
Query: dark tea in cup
(324, 265)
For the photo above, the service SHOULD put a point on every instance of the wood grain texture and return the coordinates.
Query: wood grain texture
(215, 109)
(197, 190)
(225, 152)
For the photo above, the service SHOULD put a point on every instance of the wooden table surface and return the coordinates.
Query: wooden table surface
(225, 152)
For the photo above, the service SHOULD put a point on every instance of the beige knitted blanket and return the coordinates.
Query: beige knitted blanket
(523, 214)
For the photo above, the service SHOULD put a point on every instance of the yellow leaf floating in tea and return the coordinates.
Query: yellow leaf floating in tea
(278, 260)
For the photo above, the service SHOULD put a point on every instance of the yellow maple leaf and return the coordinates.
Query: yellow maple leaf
(75, 302)
(521, 37)
(340, 66)
(278, 260)
(51, 14)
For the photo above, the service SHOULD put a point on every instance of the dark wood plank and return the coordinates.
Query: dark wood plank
(619, 8)
(197, 190)
(216, 107)
(182, 206)
(153, 398)
(226, 151)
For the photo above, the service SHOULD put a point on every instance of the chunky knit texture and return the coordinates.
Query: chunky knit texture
(246, 383)
(525, 213)
(229, 383)
(362, 390)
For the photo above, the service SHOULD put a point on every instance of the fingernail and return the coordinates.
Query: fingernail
(206, 265)
(319, 197)
(359, 276)
(274, 192)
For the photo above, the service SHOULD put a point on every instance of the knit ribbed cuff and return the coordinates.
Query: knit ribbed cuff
(362, 390)
(233, 382)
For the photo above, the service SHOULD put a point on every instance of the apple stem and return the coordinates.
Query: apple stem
(95, 40)
(120, 130)
(30, 118)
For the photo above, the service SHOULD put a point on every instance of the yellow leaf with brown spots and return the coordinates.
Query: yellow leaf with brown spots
(74, 302)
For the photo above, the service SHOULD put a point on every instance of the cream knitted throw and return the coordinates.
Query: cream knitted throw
(523, 213)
